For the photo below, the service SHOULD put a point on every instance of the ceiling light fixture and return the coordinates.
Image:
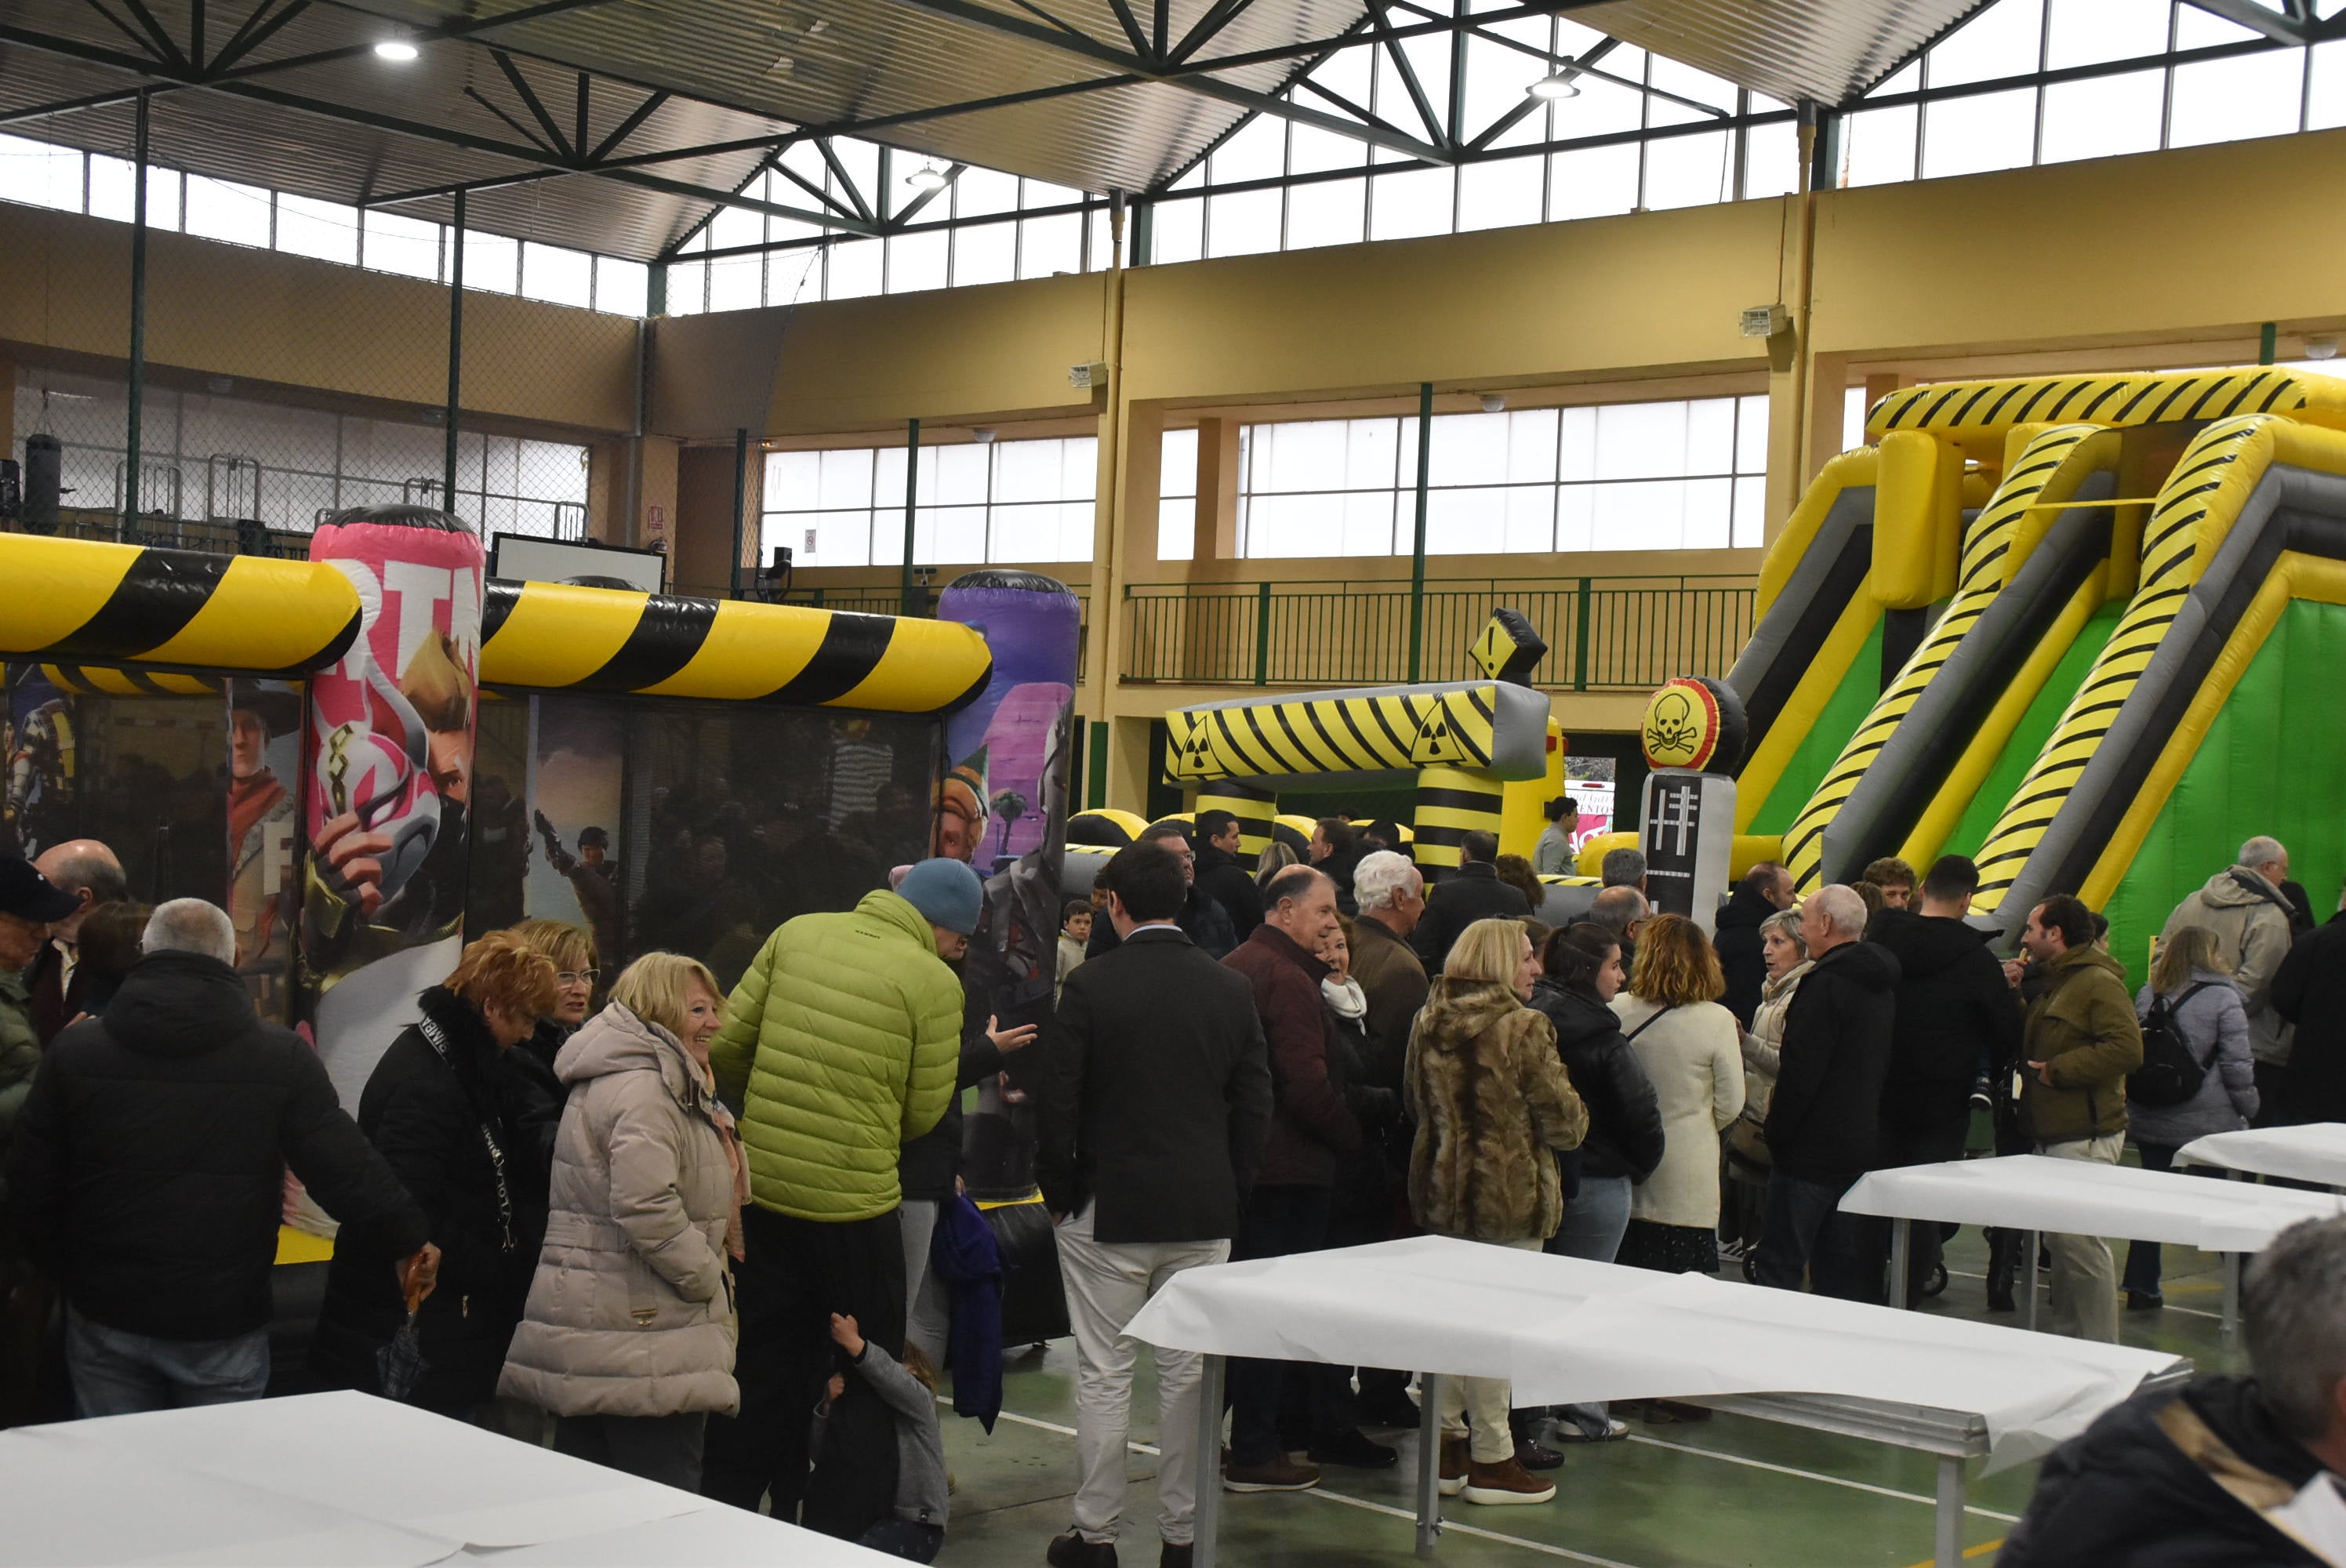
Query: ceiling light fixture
(2320, 347)
(983, 436)
(927, 178)
(397, 49)
(1560, 86)
(1495, 403)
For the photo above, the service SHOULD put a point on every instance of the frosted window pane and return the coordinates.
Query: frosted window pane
(855, 269)
(1496, 195)
(1878, 146)
(739, 226)
(1243, 225)
(1530, 519)
(985, 254)
(1853, 409)
(1771, 160)
(548, 272)
(1292, 525)
(1259, 151)
(1639, 439)
(793, 481)
(2087, 32)
(2104, 117)
(619, 285)
(2000, 40)
(888, 481)
(411, 248)
(1026, 471)
(1968, 136)
(1176, 231)
(1709, 504)
(1176, 464)
(42, 175)
(1495, 79)
(1640, 516)
(1711, 436)
(222, 209)
(2326, 98)
(1752, 435)
(1411, 203)
(735, 283)
(1469, 449)
(1751, 513)
(1465, 522)
(1327, 214)
(1531, 446)
(112, 182)
(1595, 182)
(1177, 528)
(955, 533)
(1369, 523)
(1372, 453)
(1689, 170)
(1050, 245)
(1315, 149)
(1576, 517)
(845, 478)
(1603, 106)
(1101, 258)
(1577, 444)
(982, 190)
(1303, 456)
(493, 263)
(2197, 29)
(2231, 100)
(958, 475)
(1023, 532)
(792, 276)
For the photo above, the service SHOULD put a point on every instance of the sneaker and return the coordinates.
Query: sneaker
(1354, 1449)
(1176, 1555)
(1565, 1432)
(1534, 1455)
(1280, 1473)
(1504, 1483)
(1453, 1478)
(1982, 1100)
(1732, 1251)
(1072, 1551)
(2145, 1300)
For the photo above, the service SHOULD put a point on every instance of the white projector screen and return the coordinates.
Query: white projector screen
(521, 558)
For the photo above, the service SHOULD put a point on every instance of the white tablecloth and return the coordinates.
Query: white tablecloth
(2315, 1152)
(2081, 1198)
(1564, 1329)
(359, 1482)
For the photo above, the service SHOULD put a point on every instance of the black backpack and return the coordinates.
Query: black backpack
(2169, 1075)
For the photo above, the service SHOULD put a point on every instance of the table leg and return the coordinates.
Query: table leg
(1429, 1463)
(2231, 1294)
(2028, 1320)
(1902, 1242)
(1948, 1545)
(1210, 1461)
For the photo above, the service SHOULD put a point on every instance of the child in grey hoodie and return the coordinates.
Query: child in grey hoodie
(917, 1529)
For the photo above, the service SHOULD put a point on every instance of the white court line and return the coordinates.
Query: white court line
(1812, 1475)
(2047, 1286)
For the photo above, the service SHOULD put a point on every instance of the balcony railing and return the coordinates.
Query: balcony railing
(1602, 633)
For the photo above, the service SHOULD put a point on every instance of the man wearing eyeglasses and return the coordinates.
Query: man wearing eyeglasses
(1202, 919)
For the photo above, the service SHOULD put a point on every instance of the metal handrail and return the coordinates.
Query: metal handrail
(1603, 633)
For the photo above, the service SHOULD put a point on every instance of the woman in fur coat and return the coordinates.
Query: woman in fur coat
(1492, 1104)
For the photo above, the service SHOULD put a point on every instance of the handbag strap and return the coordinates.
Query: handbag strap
(1656, 1017)
(437, 1039)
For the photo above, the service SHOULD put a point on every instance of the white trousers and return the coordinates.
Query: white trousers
(1107, 1285)
(1476, 1408)
(2084, 1297)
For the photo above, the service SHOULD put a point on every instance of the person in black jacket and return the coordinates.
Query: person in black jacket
(150, 1168)
(2309, 991)
(928, 1166)
(456, 1121)
(1202, 917)
(1823, 1126)
(1336, 850)
(1470, 894)
(2214, 1475)
(1224, 874)
(1624, 1143)
(1155, 1108)
(1766, 889)
(1957, 1014)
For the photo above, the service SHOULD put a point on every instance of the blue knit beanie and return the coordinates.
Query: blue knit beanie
(945, 891)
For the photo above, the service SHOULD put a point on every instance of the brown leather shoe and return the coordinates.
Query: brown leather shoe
(1454, 1463)
(1504, 1483)
(1280, 1474)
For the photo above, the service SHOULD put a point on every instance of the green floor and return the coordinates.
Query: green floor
(1729, 1492)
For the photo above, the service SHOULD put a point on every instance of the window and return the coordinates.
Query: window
(1003, 501)
(1617, 476)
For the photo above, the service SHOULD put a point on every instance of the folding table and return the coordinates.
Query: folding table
(2314, 1152)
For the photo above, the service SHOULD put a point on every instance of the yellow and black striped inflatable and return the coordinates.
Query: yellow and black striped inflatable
(1487, 726)
(1963, 409)
(82, 601)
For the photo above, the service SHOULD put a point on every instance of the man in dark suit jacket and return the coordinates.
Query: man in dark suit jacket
(1156, 1104)
(1474, 892)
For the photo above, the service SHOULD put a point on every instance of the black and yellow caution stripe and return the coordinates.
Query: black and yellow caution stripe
(1487, 725)
(563, 636)
(2058, 826)
(87, 602)
(1984, 407)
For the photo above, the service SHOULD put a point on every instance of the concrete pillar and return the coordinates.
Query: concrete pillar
(1132, 762)
(1218, 492)
(1125, 528)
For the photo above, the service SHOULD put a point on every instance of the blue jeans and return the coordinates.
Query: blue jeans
(117, 1373)
(1593, 1224)
(1807, 1233)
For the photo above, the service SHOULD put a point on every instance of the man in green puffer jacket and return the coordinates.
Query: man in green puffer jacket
(2082, 1041)
(840, 1045)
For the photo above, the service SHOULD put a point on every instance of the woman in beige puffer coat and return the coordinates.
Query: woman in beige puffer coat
(628, 1335)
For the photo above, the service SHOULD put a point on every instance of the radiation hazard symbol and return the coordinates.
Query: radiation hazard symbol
(1193, 754)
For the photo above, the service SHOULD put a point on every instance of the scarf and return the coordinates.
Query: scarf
(249, 801)
(1345, 998)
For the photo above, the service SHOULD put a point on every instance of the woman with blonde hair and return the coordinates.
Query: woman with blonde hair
(572, 950)
(628, 1338)
(1492, 1104)
(2193, 994)
(1693, 1051)
(461, 1127)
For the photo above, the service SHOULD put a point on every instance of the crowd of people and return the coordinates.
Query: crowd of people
(694, 1235)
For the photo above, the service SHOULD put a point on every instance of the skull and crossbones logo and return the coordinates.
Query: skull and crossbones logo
(1670, 729)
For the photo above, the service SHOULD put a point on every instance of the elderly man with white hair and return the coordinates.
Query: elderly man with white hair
(150, 1168)
(2244, 906)
(1824, 1120)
